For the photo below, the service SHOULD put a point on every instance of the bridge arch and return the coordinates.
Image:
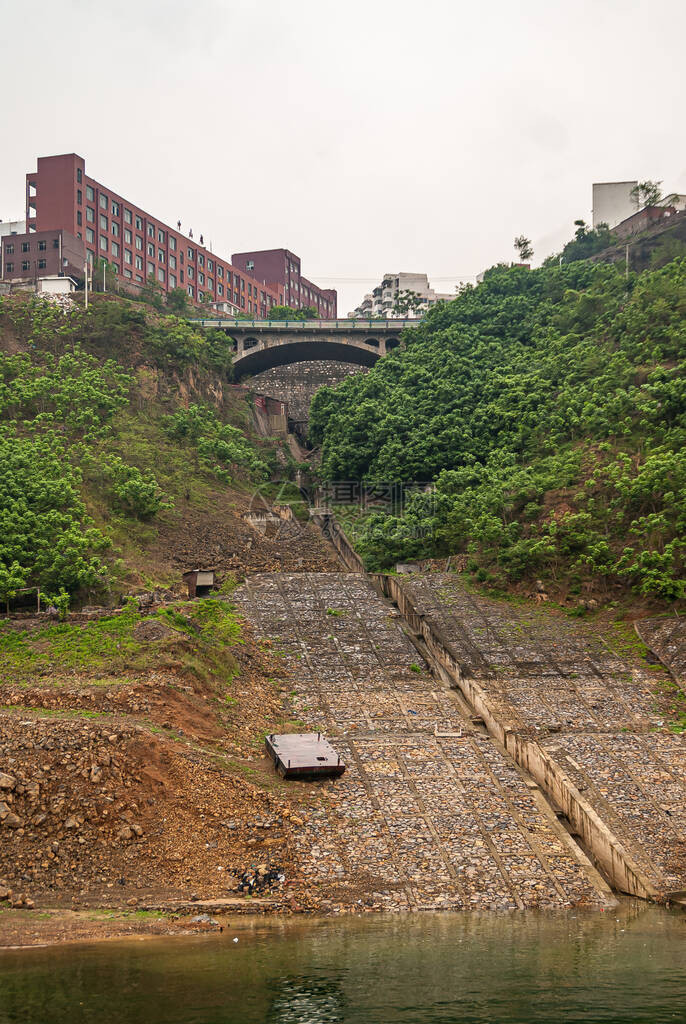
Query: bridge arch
(301, 351)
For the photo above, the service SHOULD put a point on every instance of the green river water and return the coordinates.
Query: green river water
(528, 968)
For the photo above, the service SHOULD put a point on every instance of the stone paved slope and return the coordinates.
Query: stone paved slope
(603, 720)
(666, 638)
(431, 812)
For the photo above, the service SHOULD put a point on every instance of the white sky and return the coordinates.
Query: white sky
(366, 136)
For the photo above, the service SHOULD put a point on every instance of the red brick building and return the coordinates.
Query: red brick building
(281, 269)
(38, 254)
(136, 245)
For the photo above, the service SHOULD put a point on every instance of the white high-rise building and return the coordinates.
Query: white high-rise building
(393, 289)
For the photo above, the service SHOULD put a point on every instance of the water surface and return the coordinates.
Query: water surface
(522, 968)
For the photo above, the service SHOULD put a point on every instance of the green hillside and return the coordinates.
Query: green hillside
(549, 408)
(111, 419)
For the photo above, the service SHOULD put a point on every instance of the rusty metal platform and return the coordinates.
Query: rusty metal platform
(304, 755)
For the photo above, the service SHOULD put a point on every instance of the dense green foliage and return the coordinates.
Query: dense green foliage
(68, 419)
(289, 313)
(549, 408)
(221, 447)
(587, 242)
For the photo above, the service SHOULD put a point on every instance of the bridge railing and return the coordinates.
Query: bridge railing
(299, 325)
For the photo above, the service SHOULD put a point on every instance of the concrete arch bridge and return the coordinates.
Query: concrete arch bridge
(259, 345)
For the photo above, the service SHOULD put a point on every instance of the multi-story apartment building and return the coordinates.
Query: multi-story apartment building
(137, 246)
(281, 269)
(383, 300)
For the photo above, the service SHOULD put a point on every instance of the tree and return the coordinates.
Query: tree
(647, 193)
(177, 301)
(408, 301)
(12, 579)
(152, 293)
(586, 242)
(524, 248)
(288, 313)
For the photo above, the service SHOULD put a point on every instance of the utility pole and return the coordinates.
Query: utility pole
(104, 284)
(85, 268)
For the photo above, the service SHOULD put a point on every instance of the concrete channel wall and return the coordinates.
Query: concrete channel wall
(612, 857)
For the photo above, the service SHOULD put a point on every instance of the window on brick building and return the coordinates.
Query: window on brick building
(115, 248)
(220, 289)
(79, 175)
(25, 247)
(190, 273)
(190, 290)
(160, 255)
(9, 249)
(190, 254)
(139, 263)
(127, 236)
(139, 223)
(90, 194)
(90, 215)
(104, 223)
(9, 267)
(200, 296)
(127, 273)
(139, 243)
(201, 277)
(42, 264)
(160, 275)
(172, 281)
(250, 265)
(25, 265)
(103, 202)
(172, 262)
(210, 265)
(42, 245)
(139, 278)
(220, 271)
(151, 230)
(90, 235)
(103, 243)
(79, 218)
(210, 284)
(79, 197)
(128, 256)
(128, 216)
(160, 235)
(115, 229)
(151, 270)
(172, 242)
(201, 260)
(151, 249)
(115, 209)
(181, 276)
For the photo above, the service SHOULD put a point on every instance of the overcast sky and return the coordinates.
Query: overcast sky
(365, 136)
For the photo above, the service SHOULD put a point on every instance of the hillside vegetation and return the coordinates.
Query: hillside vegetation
(549, 409)
(113, 421)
